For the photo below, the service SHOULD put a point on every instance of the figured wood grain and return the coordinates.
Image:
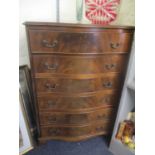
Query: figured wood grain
(76, 131)
(47, 118)
(69, 85)
(77, 73)
(42, 41)
(63, 64)
(76, 103)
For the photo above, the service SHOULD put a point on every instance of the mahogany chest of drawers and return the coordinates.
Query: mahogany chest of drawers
(78, 73)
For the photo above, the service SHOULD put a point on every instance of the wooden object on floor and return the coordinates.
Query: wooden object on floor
(78, 73)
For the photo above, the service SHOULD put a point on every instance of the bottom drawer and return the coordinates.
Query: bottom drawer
(77, 119)
(93, 129)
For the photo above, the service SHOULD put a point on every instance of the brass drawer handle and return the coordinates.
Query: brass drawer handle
(106, 100)
(101, 116)
(110, 66)
(54, 131)
(107, 84)
(99, 129)
(114, 45)
(52, 119)
(50, 103)
(48, 45)
(51, 66)
(51, 86)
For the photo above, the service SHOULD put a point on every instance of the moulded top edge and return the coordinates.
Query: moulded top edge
(78, 25)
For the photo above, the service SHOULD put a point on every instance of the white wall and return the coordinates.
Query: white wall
(45, 10)
(126, 14)
(33, 10)
(68, 11)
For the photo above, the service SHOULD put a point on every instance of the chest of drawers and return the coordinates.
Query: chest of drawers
(77, 73)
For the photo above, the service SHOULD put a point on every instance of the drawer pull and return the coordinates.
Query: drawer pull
(114, 45)
(51, 67)
(107, 84)
(48, 45)
(50, 103)
(106, 100)
(54, 131)
(52, 119)
(51, 86)
(110, 66)
(101, 116)
(99, 129)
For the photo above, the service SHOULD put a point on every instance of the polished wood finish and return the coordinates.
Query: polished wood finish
(76, 131)
(79, 118)
(72, 42)
(78, 73)
(64, 64)
(56, 102)
(69, 85)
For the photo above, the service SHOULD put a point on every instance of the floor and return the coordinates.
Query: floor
(93, 146)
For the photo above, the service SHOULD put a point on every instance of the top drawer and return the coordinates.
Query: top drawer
(48, 41)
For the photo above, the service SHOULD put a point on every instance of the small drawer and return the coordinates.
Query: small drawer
(48, 41)
(55, 131)
(63, 64)
(69, 85)
(76, 103)
(76, 119)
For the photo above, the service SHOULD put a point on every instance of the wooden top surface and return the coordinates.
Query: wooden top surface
(77, 25)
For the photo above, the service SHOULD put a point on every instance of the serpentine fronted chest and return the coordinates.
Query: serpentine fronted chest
(77, 73)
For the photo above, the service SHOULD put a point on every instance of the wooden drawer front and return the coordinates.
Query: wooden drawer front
(75, 119)
(75, 131)
(79, 64)
(84, 42)
(74, 103)
(77, 85)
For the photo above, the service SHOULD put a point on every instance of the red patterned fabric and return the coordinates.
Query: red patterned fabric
(101, 11)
